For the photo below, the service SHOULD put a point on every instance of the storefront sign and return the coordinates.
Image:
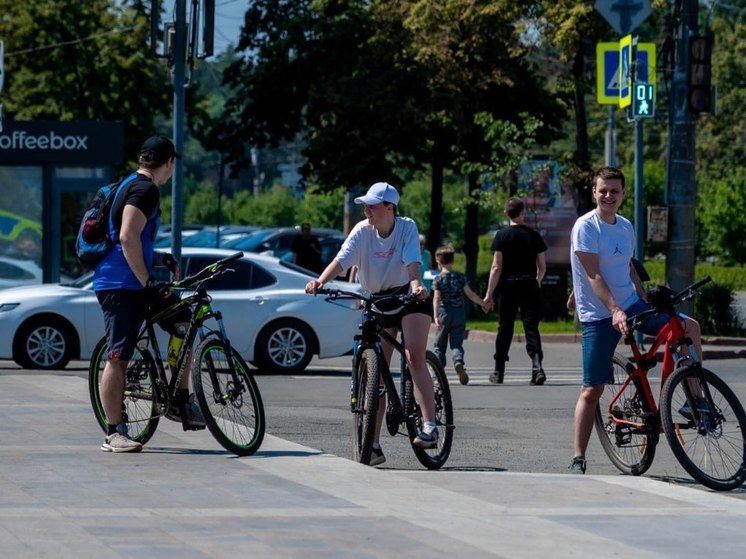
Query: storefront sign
(77, 142)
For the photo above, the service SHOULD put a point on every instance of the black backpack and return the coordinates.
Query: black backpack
(94, 241)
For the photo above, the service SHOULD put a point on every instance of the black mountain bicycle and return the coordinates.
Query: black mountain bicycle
(372, 379)
(227, 393)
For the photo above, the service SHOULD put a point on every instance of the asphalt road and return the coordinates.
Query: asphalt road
(512, 427)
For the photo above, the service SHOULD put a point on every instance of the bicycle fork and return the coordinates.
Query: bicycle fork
(234, 389)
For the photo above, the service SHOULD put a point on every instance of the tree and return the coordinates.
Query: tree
(70, 60)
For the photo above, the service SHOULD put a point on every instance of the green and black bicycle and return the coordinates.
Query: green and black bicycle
(226, 391)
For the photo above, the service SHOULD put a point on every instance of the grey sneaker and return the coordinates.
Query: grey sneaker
(577, 466)
(119, 443)
(426, 440)
(194, 419)
(463, 378)
(376, 457)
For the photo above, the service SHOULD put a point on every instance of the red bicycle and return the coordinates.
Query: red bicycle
(703, 420)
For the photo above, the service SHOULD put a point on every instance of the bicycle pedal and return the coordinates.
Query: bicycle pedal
(192, 427)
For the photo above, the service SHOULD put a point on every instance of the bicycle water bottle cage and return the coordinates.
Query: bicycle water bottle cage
(661, 297)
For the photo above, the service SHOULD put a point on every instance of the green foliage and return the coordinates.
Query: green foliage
(70, 60)
(275, 208)
(415, 203)
(202, 206)
(322, 209)
(712, 309)
(722, 216)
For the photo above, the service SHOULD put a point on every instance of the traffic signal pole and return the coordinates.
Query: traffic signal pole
(178, 80)
(639, 206)
(681, 187)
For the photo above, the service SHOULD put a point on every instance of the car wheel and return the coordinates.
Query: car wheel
(285, 346)
(44, 343)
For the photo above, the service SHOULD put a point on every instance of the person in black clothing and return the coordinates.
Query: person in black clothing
(518, 266)
(307, 250)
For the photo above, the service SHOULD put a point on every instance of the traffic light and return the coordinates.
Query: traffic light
(643, 100)
(700, 74)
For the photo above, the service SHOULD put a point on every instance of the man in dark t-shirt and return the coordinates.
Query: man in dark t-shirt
(307, 250)
(518, 266)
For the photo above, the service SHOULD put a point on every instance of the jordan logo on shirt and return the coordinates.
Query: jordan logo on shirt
(616, 250)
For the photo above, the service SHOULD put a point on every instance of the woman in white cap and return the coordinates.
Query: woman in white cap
(386, 250)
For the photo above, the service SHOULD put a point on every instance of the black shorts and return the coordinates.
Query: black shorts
(392, 316)
(124, 313)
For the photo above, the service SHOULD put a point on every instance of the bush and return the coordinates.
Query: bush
(712, 309)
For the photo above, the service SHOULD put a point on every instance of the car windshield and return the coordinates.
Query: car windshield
(249, 243)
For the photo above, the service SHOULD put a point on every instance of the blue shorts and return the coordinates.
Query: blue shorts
(600, 339)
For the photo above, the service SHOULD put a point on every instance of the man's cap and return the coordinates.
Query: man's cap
(379, 192)
(161, 147)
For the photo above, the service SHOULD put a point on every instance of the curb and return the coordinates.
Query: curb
(719, 347)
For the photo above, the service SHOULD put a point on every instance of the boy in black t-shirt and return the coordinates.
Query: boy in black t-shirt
(449, 310)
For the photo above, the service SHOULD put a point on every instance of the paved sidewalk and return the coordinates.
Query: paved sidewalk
(184, 497)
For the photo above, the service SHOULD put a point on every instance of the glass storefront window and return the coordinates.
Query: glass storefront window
(20, 225)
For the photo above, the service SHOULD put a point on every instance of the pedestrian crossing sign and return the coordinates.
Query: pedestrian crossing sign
(608, 70)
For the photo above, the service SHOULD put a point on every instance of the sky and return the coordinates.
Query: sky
(228, 19)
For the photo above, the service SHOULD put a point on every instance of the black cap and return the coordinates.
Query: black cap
(161, 149)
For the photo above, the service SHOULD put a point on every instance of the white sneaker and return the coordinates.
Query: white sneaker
(119, 443)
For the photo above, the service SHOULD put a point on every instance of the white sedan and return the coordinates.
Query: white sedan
(269, 318)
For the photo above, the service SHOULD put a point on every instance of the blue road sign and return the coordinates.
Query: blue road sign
(608, 69)
(607, 73)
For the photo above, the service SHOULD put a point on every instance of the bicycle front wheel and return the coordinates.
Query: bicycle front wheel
(627, 431)
(231, 403)
(140, 405)
(707, 438)
(433, 458)
(365, 406)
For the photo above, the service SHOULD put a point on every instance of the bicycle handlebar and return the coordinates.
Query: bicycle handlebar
(334, 294)
(208, 272)
(685, 294)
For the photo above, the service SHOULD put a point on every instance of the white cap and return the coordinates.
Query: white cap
(379, 192)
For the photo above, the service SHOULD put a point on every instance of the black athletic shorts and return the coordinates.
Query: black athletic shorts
(124, 313)
(392, 312)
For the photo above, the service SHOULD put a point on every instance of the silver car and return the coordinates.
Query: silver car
(271, 321)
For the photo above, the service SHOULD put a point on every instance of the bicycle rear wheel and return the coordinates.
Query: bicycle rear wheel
(433, 458)
(140, 405)
(707, 438)
(365, 407)
(232, 405)
(631, 448)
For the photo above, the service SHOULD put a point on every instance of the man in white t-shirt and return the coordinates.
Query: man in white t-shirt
(606, 290)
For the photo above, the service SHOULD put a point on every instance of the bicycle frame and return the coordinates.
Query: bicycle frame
(202, 311)
(671, 337)
(372, 333)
